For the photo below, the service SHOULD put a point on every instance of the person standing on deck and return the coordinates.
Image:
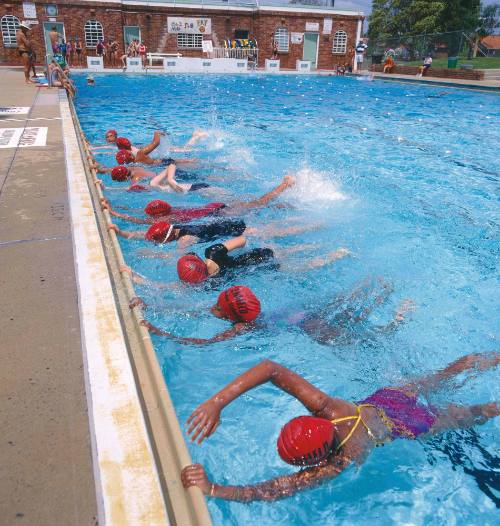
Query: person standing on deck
(25, 50)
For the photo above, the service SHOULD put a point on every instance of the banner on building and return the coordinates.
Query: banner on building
(296, 38)
(327, 26)
(312, 26)
(177, 24)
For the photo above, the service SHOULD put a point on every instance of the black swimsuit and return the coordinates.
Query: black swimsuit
(219, 254)
(209, 231)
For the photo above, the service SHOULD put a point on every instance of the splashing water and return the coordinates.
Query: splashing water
(316, 187)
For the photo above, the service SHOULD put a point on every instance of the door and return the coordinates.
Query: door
(311, 48)
(61, 35)
(131, 33)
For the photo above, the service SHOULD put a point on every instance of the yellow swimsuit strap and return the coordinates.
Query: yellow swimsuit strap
(358, 419)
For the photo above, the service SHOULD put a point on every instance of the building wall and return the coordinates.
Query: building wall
(153, 23)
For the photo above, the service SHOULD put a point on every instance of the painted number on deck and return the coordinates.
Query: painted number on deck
(14, 110)
(23, 137)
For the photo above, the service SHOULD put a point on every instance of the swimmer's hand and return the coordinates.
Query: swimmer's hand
(288, 180)
(204, 421)
(194, 475)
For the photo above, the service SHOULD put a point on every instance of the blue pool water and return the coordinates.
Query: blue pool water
(407, 177)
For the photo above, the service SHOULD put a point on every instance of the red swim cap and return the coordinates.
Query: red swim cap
(159, 232)
(192, 269)
(112, 132)
(119, 173)
(123, 143)
(158, 208)
(305, 440)
(137, 188)
(124, 157)
(239, 303)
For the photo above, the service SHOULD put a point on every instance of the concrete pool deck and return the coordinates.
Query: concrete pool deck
(45, 458)
(90, 434)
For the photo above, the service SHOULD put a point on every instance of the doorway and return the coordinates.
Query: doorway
(61, 35)
(311, 48)
(131, 33)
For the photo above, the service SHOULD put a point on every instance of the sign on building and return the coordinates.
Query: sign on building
(327, 26)
(177, 24)
(29, 10)
(312, 26)
(296, 38)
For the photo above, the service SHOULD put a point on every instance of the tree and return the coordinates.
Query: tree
(489, 21)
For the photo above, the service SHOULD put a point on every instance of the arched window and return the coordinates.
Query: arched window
(10, 24)
(339, 43)
(93, 32)
(281, 38)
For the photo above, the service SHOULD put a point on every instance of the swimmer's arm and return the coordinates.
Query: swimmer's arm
(169, 175)
(186, 241)
(238, 328)
(205, 418)
(235, 242)
(107, 206)
(154, 144)
(270, 490)
(100, 168)
(127, 234)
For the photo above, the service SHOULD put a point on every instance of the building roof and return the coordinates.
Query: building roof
(492, 42)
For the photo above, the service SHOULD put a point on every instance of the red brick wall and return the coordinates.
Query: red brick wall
(153, 23)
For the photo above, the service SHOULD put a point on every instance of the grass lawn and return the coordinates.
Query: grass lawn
(478, 63)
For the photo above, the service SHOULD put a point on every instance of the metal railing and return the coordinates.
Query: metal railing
(252, 54)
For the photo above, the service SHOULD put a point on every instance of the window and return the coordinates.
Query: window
(10, 24)
(93, 32)
(281, 38)
(189, 40)
(339, 43)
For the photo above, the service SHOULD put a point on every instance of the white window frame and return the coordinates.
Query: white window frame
(93, 31)
(189, 40)
(282, 38)
(339, 46)
(9, 25)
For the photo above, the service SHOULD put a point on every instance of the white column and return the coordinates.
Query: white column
(358, 37)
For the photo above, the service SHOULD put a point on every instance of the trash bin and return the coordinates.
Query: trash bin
(452, 62)
(377, 59)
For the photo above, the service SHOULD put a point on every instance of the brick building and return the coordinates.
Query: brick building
(323, 35)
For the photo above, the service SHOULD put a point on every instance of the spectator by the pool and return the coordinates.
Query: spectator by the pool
(25, 50)
(426, 65)
(388, 64)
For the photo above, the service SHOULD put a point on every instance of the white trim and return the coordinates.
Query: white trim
(127, 481)
(205, 7)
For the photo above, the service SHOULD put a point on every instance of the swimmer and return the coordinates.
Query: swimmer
(125, 155)
(340, 432)
(319, 324)
(237, 304)
(90, 80)
(112, 137)
(161, 211)
(135, 174)
(186, 235)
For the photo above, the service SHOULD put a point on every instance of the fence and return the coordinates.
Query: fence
(414, 48)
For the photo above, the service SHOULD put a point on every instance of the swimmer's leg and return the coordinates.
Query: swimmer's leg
(471, 362)
(197, 135)
(463, 417)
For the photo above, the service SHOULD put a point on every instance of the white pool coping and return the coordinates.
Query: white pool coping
(127, 481)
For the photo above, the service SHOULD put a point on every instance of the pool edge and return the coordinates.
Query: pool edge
(164, 450)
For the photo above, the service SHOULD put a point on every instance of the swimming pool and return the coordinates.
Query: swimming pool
(407, 178)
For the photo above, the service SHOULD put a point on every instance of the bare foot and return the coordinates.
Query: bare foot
(407, 306)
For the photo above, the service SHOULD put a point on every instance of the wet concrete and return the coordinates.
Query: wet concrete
(46, 473)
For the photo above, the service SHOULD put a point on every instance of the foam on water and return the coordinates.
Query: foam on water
(318, 188)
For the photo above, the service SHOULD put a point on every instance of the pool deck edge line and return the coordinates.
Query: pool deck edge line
(128, 486)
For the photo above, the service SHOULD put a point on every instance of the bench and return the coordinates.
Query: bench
(446, 73)
(160, 56)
